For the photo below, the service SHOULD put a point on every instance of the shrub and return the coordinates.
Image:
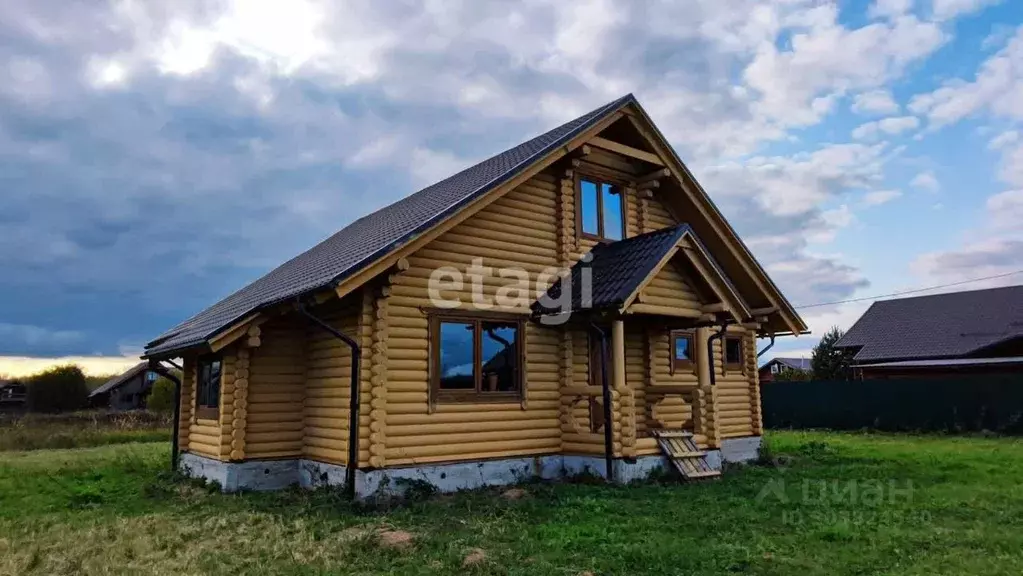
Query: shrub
(59, 389)
(161, 397)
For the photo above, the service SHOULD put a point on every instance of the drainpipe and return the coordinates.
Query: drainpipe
(353, 406)
(764, 351)
(155, 366)
(710, 350)
(608, 423)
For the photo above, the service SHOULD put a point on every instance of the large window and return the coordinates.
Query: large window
(733, 352)
(475, 357)
(601, 210)
(681, 351)
(207, 396)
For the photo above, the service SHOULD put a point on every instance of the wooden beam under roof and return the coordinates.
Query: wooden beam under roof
(612, 146)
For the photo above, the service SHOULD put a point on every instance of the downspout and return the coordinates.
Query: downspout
(155, 366)
(606, 390)
(710, 350)
(764, 351)
(353, 406)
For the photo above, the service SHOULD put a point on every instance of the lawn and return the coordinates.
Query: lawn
(837, 504)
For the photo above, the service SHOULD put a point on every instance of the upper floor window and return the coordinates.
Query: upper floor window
(681, 351)
(601, 210)
(775, 369)
(476, 357)
(207, 390)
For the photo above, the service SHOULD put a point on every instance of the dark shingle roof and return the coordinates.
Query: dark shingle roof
(794, 363)
(118, 380)
(616, 271)
(372, 236)
(938, 326)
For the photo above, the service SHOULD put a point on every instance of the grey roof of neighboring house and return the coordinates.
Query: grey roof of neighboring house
(939, 326)
(116, 381)
(616, 268)
(793, 363)
(945, 363)
(372, 236)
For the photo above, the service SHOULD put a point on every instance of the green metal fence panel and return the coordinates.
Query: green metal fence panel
(993, 403)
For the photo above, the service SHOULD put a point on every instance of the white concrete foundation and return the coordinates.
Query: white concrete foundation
(277, 474)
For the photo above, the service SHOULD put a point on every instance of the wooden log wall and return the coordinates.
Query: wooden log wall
(276, 391)
(518, 230)
(229, 359)
(187, 401)
(734, 397)
(328, 364)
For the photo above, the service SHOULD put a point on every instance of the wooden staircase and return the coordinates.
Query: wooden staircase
(689, 460)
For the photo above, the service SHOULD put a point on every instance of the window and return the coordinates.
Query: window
(207, 397)
(150, 376)
(681, 351)
(733, 352)
(601, 210)
(775, 369)
(476, 357)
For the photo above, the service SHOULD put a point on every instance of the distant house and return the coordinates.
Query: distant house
(974, 332)
(777, 365)
(12, 394)
(127, 391)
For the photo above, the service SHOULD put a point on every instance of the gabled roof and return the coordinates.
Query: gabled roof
(940, 326)
(616, 270)
(802, 364)
(116, 381)
(362, 241)
(343, 260)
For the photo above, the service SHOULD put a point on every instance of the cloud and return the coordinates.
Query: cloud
(889, 8)
(891, 126)
(826, 59)
(948, 9)
(995, 249)
(15, 335)
(996, 89)
(157, 156)
(925, 181)
(1003, 140)
(879, 197)
(875, 102)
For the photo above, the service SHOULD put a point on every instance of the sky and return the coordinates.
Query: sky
(155, 157)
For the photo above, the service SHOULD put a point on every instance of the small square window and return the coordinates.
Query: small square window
(775, 369)
(681, 351)
(733, 352)
(601, 211)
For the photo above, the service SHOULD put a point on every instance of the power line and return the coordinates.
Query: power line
(904, 292)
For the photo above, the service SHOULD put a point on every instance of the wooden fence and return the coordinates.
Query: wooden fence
(993, 403)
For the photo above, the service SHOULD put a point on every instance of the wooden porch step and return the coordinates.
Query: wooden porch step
(685, 455)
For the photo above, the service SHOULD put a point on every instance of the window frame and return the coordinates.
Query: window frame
(599, 182)
(208, 411)
(724, 354)
(676, 365)
(476, 395)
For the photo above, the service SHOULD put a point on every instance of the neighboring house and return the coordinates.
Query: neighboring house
(769, 371)
(13, 394)
(127, 391)
(462, 390)
(973, 332)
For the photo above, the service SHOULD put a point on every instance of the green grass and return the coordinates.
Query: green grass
(113, 510)
(82, 429)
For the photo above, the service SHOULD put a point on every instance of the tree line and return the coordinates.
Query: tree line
(66, 388)
(827, 362)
